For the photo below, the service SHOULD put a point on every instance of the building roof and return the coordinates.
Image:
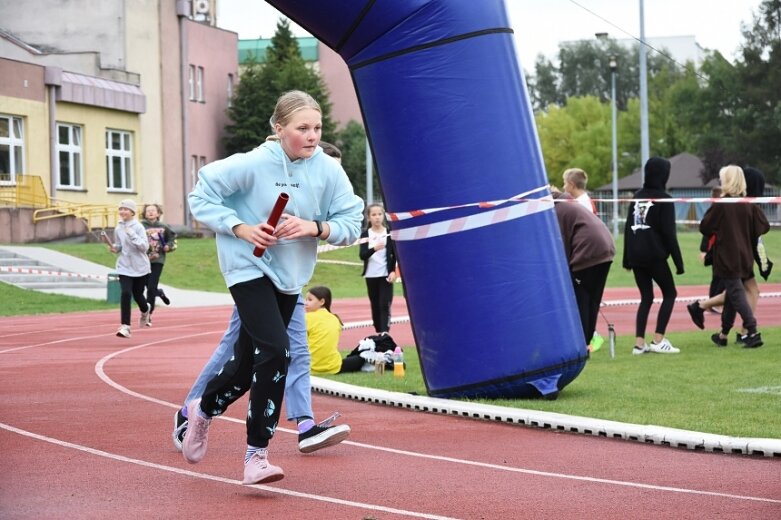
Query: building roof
(257, 49)
(685, 173)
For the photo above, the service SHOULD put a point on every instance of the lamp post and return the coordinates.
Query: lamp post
(613, 69)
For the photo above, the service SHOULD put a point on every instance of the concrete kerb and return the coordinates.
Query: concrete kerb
(554, 421)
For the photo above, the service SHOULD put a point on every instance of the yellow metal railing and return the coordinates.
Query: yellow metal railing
(30, 192)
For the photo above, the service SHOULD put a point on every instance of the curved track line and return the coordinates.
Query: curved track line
(102, 375)
(222, 480)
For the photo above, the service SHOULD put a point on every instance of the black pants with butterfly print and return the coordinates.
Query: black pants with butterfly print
(259, 362)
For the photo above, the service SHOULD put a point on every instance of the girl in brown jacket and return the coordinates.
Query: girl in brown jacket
(737, 227)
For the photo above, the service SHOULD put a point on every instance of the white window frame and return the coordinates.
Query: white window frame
(199, 83)
(125, 156)
(75, 164)
(15, 143)
(191, 82)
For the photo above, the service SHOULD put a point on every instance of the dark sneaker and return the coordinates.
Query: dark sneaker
(180, 428)
(753, 340)
(163, 297)
(738, 338)
(718, 340)
(322, 435)
(697, 314)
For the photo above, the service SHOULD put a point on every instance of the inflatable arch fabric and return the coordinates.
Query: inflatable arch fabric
(451, 129)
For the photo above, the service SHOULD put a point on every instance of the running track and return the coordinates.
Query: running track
(86, 416)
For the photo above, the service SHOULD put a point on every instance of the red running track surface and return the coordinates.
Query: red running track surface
(86, 417)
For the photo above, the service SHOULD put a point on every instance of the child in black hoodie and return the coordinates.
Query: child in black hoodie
(649, 240)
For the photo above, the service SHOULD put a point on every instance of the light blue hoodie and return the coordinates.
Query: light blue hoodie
(243, 188)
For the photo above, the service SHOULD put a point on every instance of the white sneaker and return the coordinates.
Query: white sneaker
(123, 331)
(638, 350)
(145, 320)
(663, 347)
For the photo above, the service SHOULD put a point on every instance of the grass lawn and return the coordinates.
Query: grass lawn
(703, 388)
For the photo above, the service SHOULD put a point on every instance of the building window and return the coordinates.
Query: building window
(193, 170)
(11, 149)
(230, 90)
(119, 160)
(191, 82)
(199, 85)
(69, 153)
(201, 162)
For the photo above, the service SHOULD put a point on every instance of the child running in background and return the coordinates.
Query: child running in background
(162, 240)
(131, 244)
(323, 330)
(379, 267)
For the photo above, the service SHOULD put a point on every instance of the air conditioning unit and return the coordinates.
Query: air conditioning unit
(200, 7)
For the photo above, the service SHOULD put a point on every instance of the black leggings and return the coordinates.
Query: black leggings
(151, 287)
(351, 364)
(381, 298)
(131, 286)
(260, 359)
(589, 285)
(644, 278)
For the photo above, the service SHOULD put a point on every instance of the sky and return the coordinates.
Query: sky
(540, 25)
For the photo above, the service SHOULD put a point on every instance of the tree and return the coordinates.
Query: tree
(262, 83)
(352, 142)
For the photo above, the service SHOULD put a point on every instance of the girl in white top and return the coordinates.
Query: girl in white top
(131, 244)
(379, 267)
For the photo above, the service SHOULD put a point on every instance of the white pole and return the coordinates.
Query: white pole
(369, 177)
(644, 147)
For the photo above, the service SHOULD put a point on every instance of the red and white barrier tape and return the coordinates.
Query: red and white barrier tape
(404, 215)
(21, 270)
(473, 221)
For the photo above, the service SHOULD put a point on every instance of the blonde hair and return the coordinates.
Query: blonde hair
(288, 104)
(577, 177)
(733, 181)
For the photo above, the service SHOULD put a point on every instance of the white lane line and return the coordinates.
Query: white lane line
(102, 375)
(110, 335)
(223, 480)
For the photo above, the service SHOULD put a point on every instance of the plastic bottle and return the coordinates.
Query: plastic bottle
(398, 363)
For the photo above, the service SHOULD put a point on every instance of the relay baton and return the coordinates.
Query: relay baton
(106, 239)
(273, 219)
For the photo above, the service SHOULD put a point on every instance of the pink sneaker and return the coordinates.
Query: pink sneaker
(258, 470)
(195, 440)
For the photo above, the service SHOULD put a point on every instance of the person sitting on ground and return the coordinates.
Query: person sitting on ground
(323, 330)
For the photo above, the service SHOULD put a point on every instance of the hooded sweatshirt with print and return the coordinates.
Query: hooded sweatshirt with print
(243, 189)
(649, 235)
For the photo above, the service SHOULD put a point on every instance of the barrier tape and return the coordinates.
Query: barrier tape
(521, 197)
(473, 221)
(24, 270)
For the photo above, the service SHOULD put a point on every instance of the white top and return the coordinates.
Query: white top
(585, 201)
(377, 266)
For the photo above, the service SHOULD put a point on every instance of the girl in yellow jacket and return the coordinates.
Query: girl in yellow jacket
(323, 330)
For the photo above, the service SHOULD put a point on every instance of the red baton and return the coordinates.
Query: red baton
(273, 219)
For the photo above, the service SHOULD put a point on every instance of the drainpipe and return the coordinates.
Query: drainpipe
(183, 11)
(52, 78)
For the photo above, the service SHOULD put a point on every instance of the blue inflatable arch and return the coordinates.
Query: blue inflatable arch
(448, 119)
